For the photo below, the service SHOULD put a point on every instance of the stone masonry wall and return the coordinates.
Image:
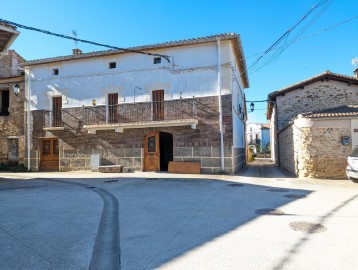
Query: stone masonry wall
(315, 152)
(77, 145)
(287, 151)
(317, 96)
(321, 153)
(12, 125)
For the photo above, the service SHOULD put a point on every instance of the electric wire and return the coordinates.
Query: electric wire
(82, 40)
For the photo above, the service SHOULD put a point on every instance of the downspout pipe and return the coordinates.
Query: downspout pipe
(220, 107)
(28, 73)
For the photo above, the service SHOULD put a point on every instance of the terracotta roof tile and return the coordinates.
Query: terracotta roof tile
(341, 111)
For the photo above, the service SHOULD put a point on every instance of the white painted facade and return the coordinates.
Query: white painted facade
(255, 131)
(193, 71)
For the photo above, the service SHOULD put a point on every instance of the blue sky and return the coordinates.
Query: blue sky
(260, 23)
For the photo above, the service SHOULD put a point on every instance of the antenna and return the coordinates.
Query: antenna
(75, 35)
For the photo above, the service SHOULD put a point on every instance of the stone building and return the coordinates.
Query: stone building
(175, 101)
(11, 109)
(310, 120)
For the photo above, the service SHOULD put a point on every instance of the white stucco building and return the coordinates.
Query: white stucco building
(258, 134)
(108, 101)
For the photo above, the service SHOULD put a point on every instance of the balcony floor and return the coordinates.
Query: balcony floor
(120, 127)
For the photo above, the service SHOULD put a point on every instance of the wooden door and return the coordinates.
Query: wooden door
(113, 108)
(49, 154)
(57, 111)
(151, 152)
(158, 105)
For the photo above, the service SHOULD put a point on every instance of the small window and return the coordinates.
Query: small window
(157, 60)
(112, 65)
(55, 71)
(4, 103)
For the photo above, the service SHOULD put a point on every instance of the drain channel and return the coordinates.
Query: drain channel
(236, 185)
(308, 227)
(269, 211)
(277, 190)
(295, 196)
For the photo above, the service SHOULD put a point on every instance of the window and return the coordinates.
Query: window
(112, 65)
(157, 60)
(4, 102)
(55, 71)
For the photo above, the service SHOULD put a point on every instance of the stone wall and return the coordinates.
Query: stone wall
(9, 63)
(12, 125)
(287, 149)
(314, 152)
(203, 143)
(316, 96)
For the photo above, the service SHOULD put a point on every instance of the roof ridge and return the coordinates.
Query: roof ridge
(140, 47)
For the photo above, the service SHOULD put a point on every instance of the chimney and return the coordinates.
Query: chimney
(76, 51)
(355, 72)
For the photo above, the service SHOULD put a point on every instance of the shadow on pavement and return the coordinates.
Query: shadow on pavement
(160, 219)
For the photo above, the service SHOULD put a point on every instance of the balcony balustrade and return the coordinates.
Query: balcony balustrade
(127, 115)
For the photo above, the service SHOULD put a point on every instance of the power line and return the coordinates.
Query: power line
(82, 40)
(311, 35)
(323, 4)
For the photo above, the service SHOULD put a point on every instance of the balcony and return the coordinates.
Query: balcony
(141, 115)
(182, 112)
(53, 120)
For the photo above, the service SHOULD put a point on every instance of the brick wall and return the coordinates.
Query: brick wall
(202, 143)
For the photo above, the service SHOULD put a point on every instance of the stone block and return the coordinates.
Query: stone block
(206, 170)
(137, 162)
(70, 154)
(211, 162)
(216, 152)
(110, 169)
(78, 163)
(191, 159)
(64, 162)
(183, 151)
(126, 162)
(132, 152)
(84, 153)
(202, 151)
(117, 152)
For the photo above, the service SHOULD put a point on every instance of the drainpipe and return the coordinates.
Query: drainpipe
(28, 73)
(220, 107)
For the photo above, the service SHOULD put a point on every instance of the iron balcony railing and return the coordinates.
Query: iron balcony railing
(141, 112)
(53, 118)
(123, 113)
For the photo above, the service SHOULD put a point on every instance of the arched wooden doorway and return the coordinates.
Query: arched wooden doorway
(158, 151)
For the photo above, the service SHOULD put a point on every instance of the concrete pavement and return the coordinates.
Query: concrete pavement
(172, 221)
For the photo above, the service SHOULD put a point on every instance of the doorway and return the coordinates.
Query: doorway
(13, 151)
(158, 151)
(49, 154)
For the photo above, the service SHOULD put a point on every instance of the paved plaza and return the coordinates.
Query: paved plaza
(259, 219)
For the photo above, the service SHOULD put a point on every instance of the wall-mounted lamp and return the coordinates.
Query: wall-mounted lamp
(16, 89)
(252, 106)
(93, 102)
